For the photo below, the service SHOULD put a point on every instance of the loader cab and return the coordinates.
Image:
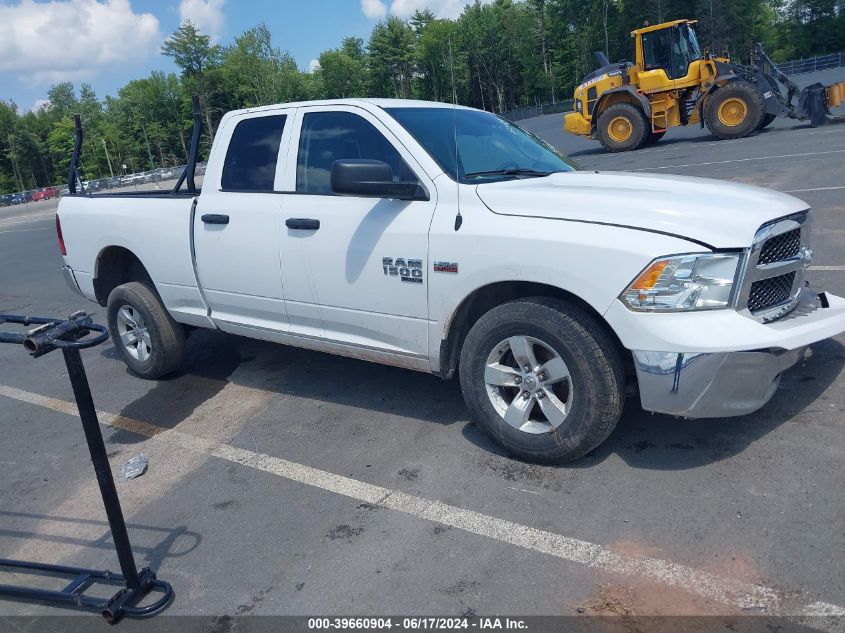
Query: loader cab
(667, 54)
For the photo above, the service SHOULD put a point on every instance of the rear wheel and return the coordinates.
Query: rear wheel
(147, 338)
(622, 127)
(734, 111)
(543, 379)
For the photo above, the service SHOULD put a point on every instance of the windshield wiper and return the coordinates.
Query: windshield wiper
(512, 171)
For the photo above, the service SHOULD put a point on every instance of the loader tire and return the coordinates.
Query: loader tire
(734, 111)
(767, 119)
(623, 127)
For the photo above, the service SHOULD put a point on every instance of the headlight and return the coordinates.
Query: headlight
(684, 282)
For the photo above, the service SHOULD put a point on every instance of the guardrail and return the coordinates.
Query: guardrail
(812, 64)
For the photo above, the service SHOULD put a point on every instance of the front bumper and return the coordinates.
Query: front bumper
(729, 382)
(710, 385)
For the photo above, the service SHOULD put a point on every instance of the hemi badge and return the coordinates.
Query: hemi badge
(446, 267)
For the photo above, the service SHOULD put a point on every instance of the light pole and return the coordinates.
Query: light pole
(108, 160)
(147, 141)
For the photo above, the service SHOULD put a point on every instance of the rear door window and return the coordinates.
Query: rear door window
(253, 154)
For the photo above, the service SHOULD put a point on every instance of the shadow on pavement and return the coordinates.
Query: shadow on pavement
(215, 359)
(642, 439)
(152, 545)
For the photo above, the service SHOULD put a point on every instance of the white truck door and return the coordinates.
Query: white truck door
(237, 222)
(361, 278)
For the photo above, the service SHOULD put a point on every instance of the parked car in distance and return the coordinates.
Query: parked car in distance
(22, 197)
(45, 193)
(6, 199)
(447, 240)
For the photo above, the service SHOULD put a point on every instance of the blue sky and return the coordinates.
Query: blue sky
(109, 42)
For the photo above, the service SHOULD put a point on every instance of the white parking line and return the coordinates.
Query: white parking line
(813, 189)
(742, 160)
(736, 593)
(47, 228)
(16, 219)
(676, 145)
(827, 267)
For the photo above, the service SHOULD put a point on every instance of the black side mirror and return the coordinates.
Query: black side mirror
(372, 179)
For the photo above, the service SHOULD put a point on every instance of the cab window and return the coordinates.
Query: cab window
(253, 153)
(330, 136)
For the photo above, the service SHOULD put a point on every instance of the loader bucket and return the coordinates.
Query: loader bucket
(812, 101)
(836, 94)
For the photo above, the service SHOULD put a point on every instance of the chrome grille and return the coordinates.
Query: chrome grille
(781, 247)
(774, 270)
(770, 292)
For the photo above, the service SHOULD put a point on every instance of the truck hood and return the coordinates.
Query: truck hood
(715, 213)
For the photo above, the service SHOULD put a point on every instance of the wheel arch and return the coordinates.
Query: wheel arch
(114, 266)
(487, 297)
(620, 94)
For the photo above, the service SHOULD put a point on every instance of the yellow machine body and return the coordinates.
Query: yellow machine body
(663, 93)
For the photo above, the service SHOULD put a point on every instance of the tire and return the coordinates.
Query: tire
(156, 343)
(653, 137)
(767, 120)
(622, 127)
(553, 331)
(734, 111)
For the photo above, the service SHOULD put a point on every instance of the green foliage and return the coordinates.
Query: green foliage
(498, 56)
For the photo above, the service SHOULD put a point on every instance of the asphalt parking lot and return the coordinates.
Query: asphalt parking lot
(283, 481)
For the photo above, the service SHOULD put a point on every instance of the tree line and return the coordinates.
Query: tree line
(498, 56)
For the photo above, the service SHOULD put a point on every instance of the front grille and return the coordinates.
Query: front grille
(771, 292)
(781, 247)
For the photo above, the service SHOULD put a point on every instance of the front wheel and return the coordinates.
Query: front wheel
(734, 110)
(543, 379)
(622, 127)
(147, 338)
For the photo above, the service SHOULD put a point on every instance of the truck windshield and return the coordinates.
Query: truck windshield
(489, 149)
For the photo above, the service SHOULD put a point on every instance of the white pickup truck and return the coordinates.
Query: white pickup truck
(449, 241)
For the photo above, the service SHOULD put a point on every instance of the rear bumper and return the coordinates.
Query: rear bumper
(728, 382)
(70, 280)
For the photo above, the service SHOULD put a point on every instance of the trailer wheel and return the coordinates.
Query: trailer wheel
(622, 127)
(734, 111)
(543, 379)
(147, 338)
(767, 119)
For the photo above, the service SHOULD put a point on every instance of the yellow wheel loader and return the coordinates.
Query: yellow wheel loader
(628, 105)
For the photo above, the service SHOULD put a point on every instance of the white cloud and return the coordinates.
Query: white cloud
(59, 40)
(377, 9)
(374, 9)
(313, 65)
(40, 104)
(207, 15)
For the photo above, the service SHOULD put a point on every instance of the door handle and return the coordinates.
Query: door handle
(215, 218)
(305, 224)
